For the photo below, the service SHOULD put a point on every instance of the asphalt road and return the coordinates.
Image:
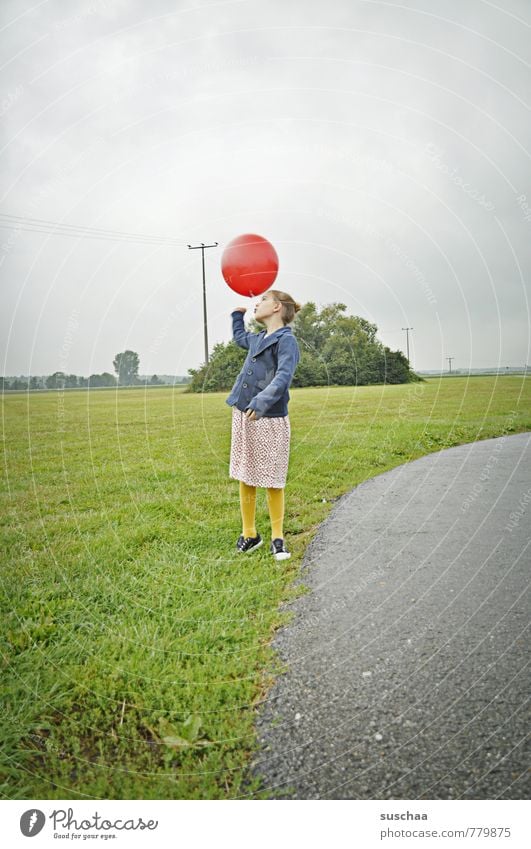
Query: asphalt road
(408, 662)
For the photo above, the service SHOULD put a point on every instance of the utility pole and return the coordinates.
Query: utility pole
(202, 247)
(450, 363)
(407, 329)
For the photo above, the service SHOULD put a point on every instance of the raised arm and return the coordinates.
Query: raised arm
(239, 333)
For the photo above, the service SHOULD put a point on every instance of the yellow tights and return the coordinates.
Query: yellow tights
(275, 504)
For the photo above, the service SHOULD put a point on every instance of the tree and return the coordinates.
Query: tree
(56, 380)
(126, 367)
(311, 371)
(108, 379)
(155, 381)
(307, 329)
(394, 367)
(104, 379)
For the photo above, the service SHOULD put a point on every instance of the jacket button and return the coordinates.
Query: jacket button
(254, 359)
(249, 371)
(244, 385)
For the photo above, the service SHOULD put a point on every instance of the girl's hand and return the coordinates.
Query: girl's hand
(240, 309)
(251, 415)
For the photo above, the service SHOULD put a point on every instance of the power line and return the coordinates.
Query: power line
(54, 228)
(40, 225)
(84, 235)
(41, 222)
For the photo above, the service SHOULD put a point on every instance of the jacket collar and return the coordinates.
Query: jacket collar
(263, 343)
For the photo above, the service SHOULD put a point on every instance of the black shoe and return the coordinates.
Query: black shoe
(279, 550)
(247, 544)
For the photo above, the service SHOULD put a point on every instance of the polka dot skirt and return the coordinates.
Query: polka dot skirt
(259, 452)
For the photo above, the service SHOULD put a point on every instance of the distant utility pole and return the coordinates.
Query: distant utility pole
(202, 247)
(450, 363)
(407, 329)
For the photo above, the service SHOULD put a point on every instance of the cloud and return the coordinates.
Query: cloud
(317, 130)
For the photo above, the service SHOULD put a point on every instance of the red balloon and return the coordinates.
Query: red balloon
(249, 264)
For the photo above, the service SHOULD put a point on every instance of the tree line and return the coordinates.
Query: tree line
(126, 365)
(336, 349)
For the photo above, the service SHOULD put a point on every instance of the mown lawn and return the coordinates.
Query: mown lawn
(135, 641)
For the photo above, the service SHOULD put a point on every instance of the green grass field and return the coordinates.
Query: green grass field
(135, 641)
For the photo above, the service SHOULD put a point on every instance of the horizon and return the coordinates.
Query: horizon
(382, 149)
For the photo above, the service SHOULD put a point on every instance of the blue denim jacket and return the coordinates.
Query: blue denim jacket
(262, 385)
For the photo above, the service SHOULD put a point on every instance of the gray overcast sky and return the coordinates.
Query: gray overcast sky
(383, 147)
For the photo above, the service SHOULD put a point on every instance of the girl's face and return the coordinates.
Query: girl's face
(267, 305)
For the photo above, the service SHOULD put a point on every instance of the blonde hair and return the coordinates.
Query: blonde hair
(289, 306)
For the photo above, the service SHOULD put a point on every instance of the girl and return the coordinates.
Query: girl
(260, 422)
